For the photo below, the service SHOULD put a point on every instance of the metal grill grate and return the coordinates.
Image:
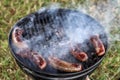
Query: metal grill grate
(40, 22)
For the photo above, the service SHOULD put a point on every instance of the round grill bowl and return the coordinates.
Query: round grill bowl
(47, 16)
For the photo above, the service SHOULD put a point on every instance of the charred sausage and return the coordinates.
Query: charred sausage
(63, 65)
(97, 43)
(24, 51)
(80, 55)
(33, 56)
(17, 38)
(39, 60)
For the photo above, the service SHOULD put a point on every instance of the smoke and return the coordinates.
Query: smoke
(57, 39)
(63, 33)
(107, 13)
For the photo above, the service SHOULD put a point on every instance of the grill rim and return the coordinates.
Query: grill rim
(58, 74)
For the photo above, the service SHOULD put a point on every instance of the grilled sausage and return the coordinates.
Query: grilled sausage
(39, 60)
(80, 55)
(24, 51)
(17, 38)
(97, 43)
(63, 65)
(33, 56)
(77, 53)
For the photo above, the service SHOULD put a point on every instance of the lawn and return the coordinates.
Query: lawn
(107, 12)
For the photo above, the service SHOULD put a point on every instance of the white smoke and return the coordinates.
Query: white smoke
(78, 28)
(107, 13)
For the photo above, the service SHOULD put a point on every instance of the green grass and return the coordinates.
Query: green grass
(12, 10)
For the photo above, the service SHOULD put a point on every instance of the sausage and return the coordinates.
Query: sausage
(33, 56)
(80, 55)
(17, 38)
(63, 65)
(97, 43)
(39, 60)
(77, 53)
(24, 51)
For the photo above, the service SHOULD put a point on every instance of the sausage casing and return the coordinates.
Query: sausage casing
(63, 65)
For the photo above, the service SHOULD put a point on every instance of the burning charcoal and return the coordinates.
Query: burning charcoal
(97, 43)
(63, 65)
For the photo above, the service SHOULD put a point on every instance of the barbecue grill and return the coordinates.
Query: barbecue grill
(47, 23)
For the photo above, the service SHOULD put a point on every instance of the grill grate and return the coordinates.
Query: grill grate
(40, 22)
(51, 26)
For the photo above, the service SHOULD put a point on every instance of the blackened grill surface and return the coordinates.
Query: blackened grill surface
(49, 23)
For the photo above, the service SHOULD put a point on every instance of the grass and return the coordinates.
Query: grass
(12, 10)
